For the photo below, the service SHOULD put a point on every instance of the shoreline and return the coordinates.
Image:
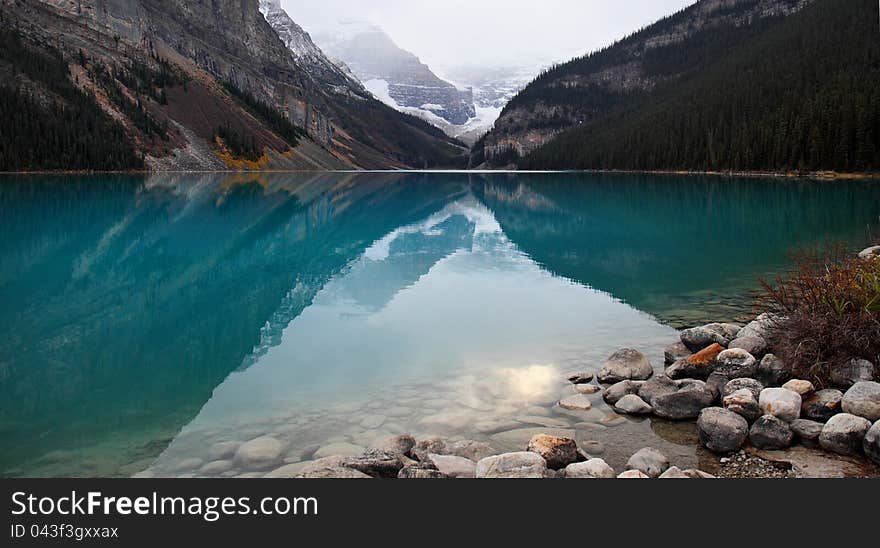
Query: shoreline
(817, 175)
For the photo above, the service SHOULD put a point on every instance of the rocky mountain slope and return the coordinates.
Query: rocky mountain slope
(306, 53)
(663, 54)
(206, 85)
(396, 75)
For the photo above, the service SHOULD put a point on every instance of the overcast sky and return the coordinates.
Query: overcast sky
(490, 32)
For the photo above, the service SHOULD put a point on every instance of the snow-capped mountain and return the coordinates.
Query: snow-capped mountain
(305, 51)
(493, 88)
(397, 76)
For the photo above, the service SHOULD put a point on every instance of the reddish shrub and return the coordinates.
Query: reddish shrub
(828, 313)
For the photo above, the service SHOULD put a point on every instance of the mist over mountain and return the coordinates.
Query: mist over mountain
(395, 74)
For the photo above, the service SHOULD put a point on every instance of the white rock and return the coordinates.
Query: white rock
(674, 472)
(522, 464)
(781, 403)
(591, 469)
(633, 474)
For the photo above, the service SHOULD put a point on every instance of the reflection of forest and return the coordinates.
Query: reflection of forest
(127, 301)
(654, 241)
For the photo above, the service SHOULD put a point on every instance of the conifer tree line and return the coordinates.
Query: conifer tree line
(802, 93)
(58, 127)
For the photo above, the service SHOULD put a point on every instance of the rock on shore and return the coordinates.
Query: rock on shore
(863, 400)
(844, 434)
(625, 364)
(722, 431)
(524, 464)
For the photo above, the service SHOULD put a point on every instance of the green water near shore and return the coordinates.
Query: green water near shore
(145, 319)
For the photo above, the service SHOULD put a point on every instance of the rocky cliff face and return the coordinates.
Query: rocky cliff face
(374, 57)
(550, 105)
(232, 64)
(306, 53)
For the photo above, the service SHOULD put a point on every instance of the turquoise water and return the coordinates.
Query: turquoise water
(146, 320)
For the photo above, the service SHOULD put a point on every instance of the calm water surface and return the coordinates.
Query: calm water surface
(148, 322)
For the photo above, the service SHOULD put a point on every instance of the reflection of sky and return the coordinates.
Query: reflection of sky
(481, 308)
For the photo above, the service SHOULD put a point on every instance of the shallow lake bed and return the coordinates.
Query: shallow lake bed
(153, 323)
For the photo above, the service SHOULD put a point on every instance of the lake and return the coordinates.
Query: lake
(150, 323)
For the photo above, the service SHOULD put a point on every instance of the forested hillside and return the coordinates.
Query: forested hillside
(799, 92)
(59, 128)
(175, 85)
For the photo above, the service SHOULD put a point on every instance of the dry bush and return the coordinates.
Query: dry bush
(829, 313)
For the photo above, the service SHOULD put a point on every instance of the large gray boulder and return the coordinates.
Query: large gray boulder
(649, 461)
(698, 338)
(822, 405)
(633, 405)
(722, 431)
(591, 469)
(743, 403)
(753, 344)
(657, 385)
(625, 364)
(736, 363)
(780, 402)
(807, 430)
(863, 400)
(773, 371)
(615, 392)
(762, 326)
(844, 434)
(716, 383)
(686, 402)
(769, 432)
(557, 452)
(857, 370)
(871, 443)
(523, 464)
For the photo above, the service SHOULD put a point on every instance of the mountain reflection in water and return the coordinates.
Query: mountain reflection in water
(134, 307)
